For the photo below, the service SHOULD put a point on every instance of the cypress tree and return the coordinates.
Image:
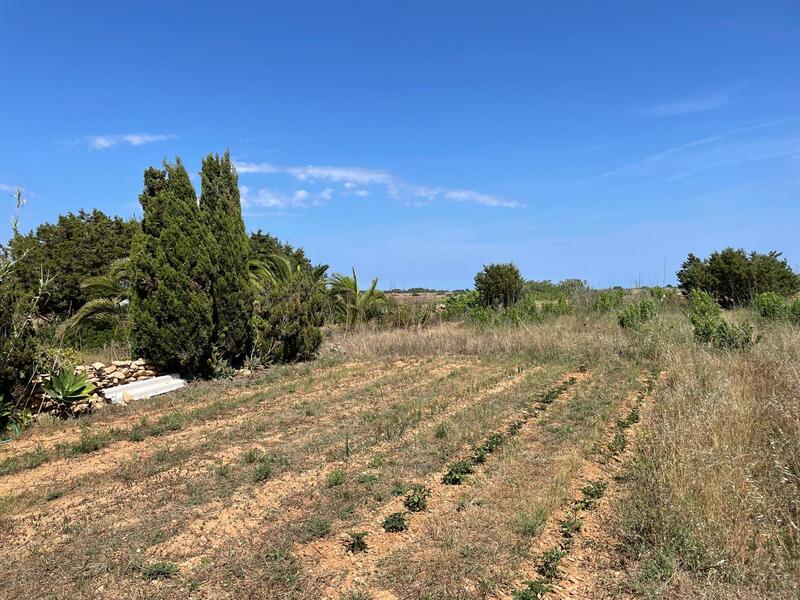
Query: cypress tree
(232, 295)
(171, 305)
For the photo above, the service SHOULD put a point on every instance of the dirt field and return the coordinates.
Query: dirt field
(269, 487)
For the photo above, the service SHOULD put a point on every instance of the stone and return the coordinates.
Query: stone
(98, 366)
(121, 363)
(147, 373)
(109, 369)
(139, 361)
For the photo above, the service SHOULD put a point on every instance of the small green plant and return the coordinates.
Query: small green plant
(457, 472)
(336, 478)
(53, 495)
(441, 431)
(591, 494)
(160, 570)
(771, 306)
(417, 498)
(617, 444)
(793, 311)
(534, 590)
(548, 567)
(636, 313)
(631, 419)
(357, 542)
(395, 522)
(67, 387)
(265, 466)
(571, 526)
(315, 527)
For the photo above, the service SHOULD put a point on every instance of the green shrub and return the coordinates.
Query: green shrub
(609, 300)
(534, 590)
(702, 306)
(556, 309)
(794, 312)
(728, 336)
(499, 285)
(459, 304)
(287, 319)
(636, 313)
(771, 306)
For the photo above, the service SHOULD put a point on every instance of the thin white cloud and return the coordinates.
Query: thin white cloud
(7, 188)
(687, 107)
(104, 142)
(354, 179)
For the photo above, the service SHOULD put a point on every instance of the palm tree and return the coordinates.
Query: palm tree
(274, 270)
(352, 301)
(109, 299)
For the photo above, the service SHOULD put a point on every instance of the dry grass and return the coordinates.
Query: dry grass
(716, 502)
(249, 489)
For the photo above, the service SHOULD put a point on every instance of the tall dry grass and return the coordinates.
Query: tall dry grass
(572, 339)
(715, 506)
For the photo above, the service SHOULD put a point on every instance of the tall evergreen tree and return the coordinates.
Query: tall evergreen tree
(171, 304)
(221, 208)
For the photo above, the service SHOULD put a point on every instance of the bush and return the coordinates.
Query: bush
(459, 304)
(710, 328)
(287, 319)
(636, 313)
(499, 285)
(609, 300)
(66, 388)
(734, 277)
(794, 312)
(771, 306)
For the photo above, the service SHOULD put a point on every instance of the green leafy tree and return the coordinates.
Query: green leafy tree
(499, 285)
(734, 277)
(171, 303)
(77, 246)
(231, 291)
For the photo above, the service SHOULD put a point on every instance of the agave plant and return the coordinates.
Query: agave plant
(68, 387)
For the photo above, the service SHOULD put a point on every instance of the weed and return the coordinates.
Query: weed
(336, 478)
(367, 478)
(266, 466)
(531, 523)
(53, 495)
(89, 442)
(160, 570)
(251, 456)
(417, 498)
(315, 527)
(441, 431)
(395, 522)
(399, 488)
(357, 542)
(457, 472)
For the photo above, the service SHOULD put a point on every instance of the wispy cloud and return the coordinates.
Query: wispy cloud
(4, 187)
(104, 142)
(355, 179)
(688, 106)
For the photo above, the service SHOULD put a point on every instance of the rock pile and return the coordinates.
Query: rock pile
(118, 372)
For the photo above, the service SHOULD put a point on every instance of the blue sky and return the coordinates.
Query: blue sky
(416, 141)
